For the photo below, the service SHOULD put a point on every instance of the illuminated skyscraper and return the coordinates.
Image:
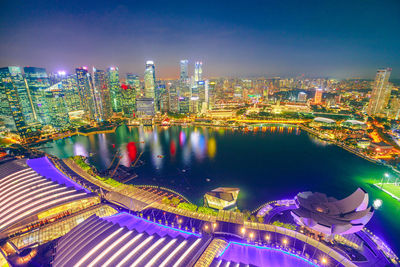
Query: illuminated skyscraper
(380, 93)
(21, 87)
(318, 96)
(302, 97)
(133, 80)
(11, 117)
(198, 71)
(85, 92)
(149, 80)
(129, 93)
(115, 88)
(38, 82)
(102, 95)
(71, 92)
(184, 70)
(56, 106)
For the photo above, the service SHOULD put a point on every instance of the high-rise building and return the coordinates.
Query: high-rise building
(21, 87)
(149, 80)
(102, 95)
(184, 70)
(318, 96)
(11, 117)
(302, 97)
(380, 93)
(198, 71)
(71, 93)
(38, 82)
(145, 107)
(173, 94)
(115, 88)
(129, 94)
(57, 108)
(133, 80)
(85, 92)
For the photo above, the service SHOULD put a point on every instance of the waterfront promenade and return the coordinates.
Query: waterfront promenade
(225, 224)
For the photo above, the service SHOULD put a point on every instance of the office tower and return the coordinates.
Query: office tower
(129, 95)
(161, 96)
(380, 93)
(19, 84)
(149, 80)
(211, 95)
(56, 77)
(198, 71)
(115, 88)
(102, 95)
(133, 80)
(38, 82)
(71, 93)
(318, 96)
(57, 108)
(184, 70)
(302, 97)
(173, 93)
(11, 117)
(145, 107)
(184, 104)
(85, 92)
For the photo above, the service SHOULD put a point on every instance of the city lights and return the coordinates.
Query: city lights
(179, 134)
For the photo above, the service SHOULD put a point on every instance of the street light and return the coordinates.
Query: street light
(251, 235)
(243, 230)
(324, 261)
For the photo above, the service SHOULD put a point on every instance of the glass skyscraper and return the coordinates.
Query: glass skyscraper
(19, 84)
(129, 94)
(57, 108)
(11, 117)
(184, 76)
(85, 92)
(38, 82)
(71, 92)
(380, 93)
(198, 71)
(102, 95)
(149, 80)
(115, 88)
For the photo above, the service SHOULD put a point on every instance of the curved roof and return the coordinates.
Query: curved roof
(105, 242)
(25, 193)
(355, 122)
(331, 216)
(325, 120)
(244, 254)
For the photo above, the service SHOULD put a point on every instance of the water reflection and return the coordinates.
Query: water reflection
(160, 145)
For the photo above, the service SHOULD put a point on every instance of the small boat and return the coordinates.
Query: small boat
(160, 156)
(208, 179)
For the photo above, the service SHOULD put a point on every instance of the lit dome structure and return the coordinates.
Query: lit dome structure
(331, 216)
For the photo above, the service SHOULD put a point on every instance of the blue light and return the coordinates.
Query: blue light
(268, 248)
(165, 226)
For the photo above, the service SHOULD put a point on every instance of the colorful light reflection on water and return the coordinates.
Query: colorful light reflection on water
(271, 163)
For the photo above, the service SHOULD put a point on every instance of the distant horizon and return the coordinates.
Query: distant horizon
(339, 39)
(176, 77)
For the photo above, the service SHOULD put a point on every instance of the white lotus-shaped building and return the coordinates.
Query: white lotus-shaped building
(331, 216)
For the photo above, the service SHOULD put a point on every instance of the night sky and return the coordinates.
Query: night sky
(327, 38)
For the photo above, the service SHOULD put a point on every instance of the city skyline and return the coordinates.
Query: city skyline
(258, 39)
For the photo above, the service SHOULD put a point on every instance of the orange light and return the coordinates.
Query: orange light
(267, 237)
(324, 261)
(243, 230)
(251, 235)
